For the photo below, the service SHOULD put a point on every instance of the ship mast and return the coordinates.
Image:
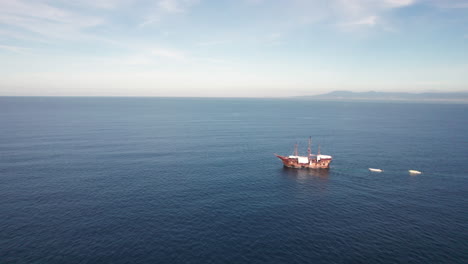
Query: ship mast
(308, 149)
(318, 152)
(295, 150)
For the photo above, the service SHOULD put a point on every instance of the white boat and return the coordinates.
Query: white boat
(375, 170)
(414, 172)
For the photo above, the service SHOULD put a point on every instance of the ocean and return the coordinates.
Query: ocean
(194, 180)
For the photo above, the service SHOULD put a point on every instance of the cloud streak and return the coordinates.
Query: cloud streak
(15, 49)
(366, 21)
(271, 44)
(169, 54)
(454, 4)
(165, 8)
(42, 19)
(355, 13)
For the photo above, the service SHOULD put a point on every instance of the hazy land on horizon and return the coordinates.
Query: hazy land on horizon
(455, 97)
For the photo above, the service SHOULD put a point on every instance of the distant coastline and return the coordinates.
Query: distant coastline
(447, 97)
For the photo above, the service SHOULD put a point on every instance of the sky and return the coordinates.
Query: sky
(235, 48)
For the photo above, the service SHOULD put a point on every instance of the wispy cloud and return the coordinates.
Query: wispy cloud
(228, 40)
(213, 42)
(365, 6)
(23, 36)
(15, 49)
(99, 4)
(42, 19)
(450, 3)
(171, 6)
(163, 8)
(254, 2)
(169, 53)
(136, 60)
(399, 3)
(353, 14)
(275, 36)
(366, 21)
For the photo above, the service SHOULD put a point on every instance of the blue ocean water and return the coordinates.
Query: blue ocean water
(180, 180)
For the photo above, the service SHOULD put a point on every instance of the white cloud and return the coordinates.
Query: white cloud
(275, 36)
(153, 19)
(265, 23)
(46, 20)
(366, 13)
(450, 3)
(212, 61)
(15, 49)
(15, 35)
(367, 21)
(165, 8)
(399, 3)
(364, 6)
(254, 2)
(213, 42)
(100, 4)
(168, 53)
(137, 60)
(171, 6)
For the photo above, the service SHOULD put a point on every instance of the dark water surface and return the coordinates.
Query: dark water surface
(160, 180)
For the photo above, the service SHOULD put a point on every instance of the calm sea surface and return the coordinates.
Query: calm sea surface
(164, 180)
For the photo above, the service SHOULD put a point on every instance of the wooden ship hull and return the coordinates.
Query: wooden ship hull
(311, 161)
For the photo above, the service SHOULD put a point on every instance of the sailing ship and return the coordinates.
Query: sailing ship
(311, 161)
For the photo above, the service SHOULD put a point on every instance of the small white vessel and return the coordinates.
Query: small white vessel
(375, 170)
(414, 172)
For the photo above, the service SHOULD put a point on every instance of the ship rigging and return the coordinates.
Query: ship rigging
(311, 161)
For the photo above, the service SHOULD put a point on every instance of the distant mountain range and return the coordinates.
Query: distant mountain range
(390, 96)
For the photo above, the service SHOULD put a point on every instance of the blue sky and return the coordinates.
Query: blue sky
(243, 48)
